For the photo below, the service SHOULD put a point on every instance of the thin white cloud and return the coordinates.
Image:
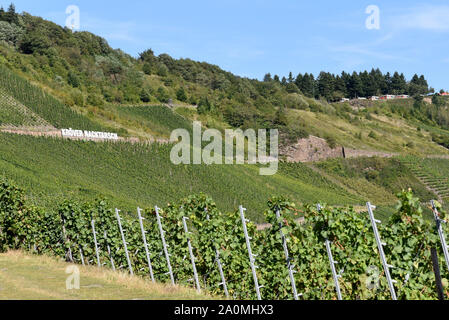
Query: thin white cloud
(360, 49)
(430, 18)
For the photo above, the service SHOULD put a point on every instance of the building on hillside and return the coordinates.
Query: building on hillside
(444, 94)
(403, 96)
(344, 100)
(388, 97)
(361, 98)
(374, 98)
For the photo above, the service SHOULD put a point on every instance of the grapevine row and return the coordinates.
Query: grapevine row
(217, 241)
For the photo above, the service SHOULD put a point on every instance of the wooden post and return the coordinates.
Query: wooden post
(436, 270)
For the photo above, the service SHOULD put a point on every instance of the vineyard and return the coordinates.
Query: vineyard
(13, 113)
(432, 172)
(41, 103)
(142, 174)
(158, 121)
(192, 243)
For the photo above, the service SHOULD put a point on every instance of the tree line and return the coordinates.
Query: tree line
(363, 84)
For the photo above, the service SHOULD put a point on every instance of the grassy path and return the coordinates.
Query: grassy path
(29, 277)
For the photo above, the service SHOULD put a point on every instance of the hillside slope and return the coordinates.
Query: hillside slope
(86, 75)
(134, 175)
(55, 78)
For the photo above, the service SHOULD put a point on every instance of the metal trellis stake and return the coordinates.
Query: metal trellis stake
(124, 241)
(150, 267)
(334, 273)
(69, 252)
(109, 250)
(438, 222)
(251, 255)
(192, 257)
(95, 242)
(220, 267)
(380, 246)
(335, 276)
(287, 257)
(81, 253)
(164, 244)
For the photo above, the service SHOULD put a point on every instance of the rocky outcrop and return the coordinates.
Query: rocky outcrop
(313, 149)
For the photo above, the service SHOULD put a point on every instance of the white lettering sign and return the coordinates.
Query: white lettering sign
(89, 134)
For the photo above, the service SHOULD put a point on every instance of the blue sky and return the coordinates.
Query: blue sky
(251, 38)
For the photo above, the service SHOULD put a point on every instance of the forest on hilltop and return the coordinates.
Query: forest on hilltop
(85, 73)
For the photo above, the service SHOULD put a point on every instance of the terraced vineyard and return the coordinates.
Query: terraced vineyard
(142, 174)
(39, 102)
(14, 113)
(156, 121)
(432, 173)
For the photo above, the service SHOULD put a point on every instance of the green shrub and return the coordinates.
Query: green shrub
(372, 135)
(331, 142)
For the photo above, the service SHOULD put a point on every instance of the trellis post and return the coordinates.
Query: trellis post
(124, 241)
(287, 257)
(150, 267)
(220, 267)
(251, 255)
(334, 272)
(81, 253)
(95, 242)
(69, 253)
(380, 246)
(109, 250)
(332, 262)
(438, 222)
(164, 244)
(192, 257)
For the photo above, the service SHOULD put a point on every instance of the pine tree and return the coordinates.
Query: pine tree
(298, 81)
(267, 78)
(325, 85)
(355, 86)
(308, 85)
(398, 83)
(387, 82)
(11, 15)
(340, 86)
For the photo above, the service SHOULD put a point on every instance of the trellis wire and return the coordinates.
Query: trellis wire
(192, 257)
(124, 241)
(164, 244)
(287, 257)
(332, 263)
(251, 255)
(380, 246)
(220, 267)
(92, 222)
(150, 267)
(438, 222)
